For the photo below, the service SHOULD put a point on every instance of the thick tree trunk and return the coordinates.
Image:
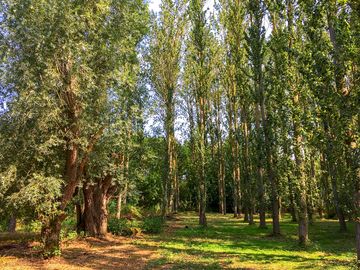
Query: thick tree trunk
(96, 198)
(51, 230)
(80, 222)
(50, 235)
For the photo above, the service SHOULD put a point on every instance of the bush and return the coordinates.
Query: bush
(69, 224)
(153, 224)
(33, 226)
(124, 227)
(68, 235)
(131, 212)
(152, 211)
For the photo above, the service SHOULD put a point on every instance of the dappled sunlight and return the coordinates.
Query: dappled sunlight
(233, 244)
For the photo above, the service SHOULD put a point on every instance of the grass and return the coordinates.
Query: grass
(226, 243)
(231, 244)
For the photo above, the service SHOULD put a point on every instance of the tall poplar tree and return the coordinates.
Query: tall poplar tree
(167, 33)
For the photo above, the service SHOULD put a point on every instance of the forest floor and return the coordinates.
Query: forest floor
(226, 243)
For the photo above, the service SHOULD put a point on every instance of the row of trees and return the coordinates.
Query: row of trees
(271, 94)
(269, 91)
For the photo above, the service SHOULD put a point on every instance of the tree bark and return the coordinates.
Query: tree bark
(292, 201)
(170, 173)
(220, 157)
(357, 220)
(260, 171)
(96, 198)
(119, 205)
(201, 167)
(12, 224)
(50, 235)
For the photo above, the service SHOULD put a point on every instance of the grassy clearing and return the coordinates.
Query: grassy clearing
(229, 243)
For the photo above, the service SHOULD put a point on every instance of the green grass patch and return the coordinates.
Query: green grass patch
(228, 243)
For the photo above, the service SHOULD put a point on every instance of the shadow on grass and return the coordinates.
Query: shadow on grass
(168, 264)
(230, 239)
(221, 258)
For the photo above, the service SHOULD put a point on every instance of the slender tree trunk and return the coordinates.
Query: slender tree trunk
(251, 216)
(79, 209)
(220, 157)
(302, 213)
(357, 218)
(119, 205)
(298, 139)
(221, 177)
(269, 158)
(246, 214)
(170, 174)
(12, 223)
(260, 172)
(177, 190)
(202, 180)
(333, 178)
(292, 201)
(339, 78)
(121, 192)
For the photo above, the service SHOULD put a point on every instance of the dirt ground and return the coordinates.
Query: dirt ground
(110, 253)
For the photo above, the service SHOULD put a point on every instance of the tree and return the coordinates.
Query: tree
(166, 37)
(65, 55)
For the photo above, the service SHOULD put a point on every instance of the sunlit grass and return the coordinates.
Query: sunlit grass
(230, 243)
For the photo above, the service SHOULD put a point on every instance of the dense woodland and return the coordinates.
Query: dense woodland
(243, 107)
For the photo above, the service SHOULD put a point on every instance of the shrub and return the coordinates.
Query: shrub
(153, 224)
(68, 235)
(131, 211)
(69, 224)
(33, 226)
(123, 227)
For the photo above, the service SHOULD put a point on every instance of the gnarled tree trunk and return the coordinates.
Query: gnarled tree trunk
(96, 198)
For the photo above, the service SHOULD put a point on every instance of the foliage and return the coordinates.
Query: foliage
(132, 211)
(153, 224)
(124, 227)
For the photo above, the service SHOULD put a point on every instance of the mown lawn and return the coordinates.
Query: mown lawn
(228, 243)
